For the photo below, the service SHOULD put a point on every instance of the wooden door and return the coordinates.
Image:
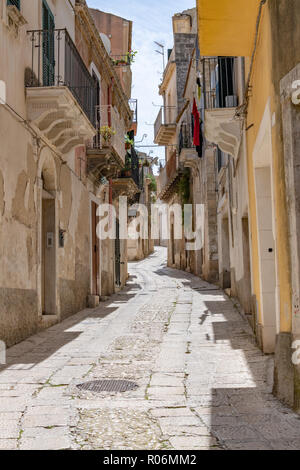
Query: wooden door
(95, 252)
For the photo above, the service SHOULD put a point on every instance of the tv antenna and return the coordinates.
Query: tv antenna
(161, 52)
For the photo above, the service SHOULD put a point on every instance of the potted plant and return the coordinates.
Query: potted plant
(128, 142)
(106, 133)
(127, 59)
(130, 56)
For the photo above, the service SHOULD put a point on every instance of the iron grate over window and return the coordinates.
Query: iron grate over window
(16, 3)
(99, 386)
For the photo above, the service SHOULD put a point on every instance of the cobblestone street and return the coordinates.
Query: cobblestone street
(202, 381)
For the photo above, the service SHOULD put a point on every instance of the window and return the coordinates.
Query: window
(16, 3)
(222, 159)
(48, 46)
(226, 94)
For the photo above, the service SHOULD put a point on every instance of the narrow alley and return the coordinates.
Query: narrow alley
(202, 383)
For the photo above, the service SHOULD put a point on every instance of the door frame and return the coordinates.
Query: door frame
(94, 200)
(118, 274)
(46, 166)
(263, 160)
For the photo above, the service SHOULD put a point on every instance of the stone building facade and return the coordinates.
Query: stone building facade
(51, 261)
(261, 172)
(188, 170)
(140, 242)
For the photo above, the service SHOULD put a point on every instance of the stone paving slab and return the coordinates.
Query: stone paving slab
(202, 381)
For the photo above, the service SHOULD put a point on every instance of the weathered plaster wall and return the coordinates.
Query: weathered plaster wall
(119, 32)
(290, 121)
(74, 257)
(18, 217)
(208, 186)
(21, 165)
(277, 54)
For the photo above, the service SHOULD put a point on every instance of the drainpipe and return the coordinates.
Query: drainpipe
(110, 202)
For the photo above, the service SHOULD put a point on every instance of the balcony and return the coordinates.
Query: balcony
(124, 60)
(168, 177)
(60, 92)
(132, 169)
(106, 152)
(188, 155)
(220, 102)
(128, 181)
(165, 125)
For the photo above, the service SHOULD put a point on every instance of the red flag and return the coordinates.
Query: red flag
(196, 115)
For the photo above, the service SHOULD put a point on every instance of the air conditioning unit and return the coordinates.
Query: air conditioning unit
(231, 101)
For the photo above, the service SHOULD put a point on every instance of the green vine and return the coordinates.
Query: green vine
(184, 187)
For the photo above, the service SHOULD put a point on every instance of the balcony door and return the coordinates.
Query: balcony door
(48, 46)
(97, 109)
(226, 84)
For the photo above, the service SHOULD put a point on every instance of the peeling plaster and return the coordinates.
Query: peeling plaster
(23, 204)
(2, 195)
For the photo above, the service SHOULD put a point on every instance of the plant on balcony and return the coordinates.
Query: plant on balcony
(127, 59)
(106, 133)
(128, 142)
(117, 62)
(131, 56)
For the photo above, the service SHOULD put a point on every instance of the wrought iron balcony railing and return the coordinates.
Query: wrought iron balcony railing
(185, 138)
(55, 61)
(132, 169)
(166, 117)
(219, 82)
(158, 122)
(110, 130)
(168, 173)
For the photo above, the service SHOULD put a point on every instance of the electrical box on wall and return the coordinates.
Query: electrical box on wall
(62, 238)
(50, 240)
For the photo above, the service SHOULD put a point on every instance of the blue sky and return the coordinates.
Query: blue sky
(152, 21)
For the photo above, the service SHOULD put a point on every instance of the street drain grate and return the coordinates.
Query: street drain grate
(98, 386)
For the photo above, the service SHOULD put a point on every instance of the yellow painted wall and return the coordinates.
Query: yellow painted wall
(226, 27)
(263, 90)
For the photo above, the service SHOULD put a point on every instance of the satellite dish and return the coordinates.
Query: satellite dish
(106, 42)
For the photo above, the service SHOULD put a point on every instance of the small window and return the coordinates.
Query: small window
(16, 3)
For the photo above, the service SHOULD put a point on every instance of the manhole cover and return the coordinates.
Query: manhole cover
(205, 289)
(98, 386)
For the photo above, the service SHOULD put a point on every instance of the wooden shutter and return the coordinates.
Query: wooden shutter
(48, 46)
